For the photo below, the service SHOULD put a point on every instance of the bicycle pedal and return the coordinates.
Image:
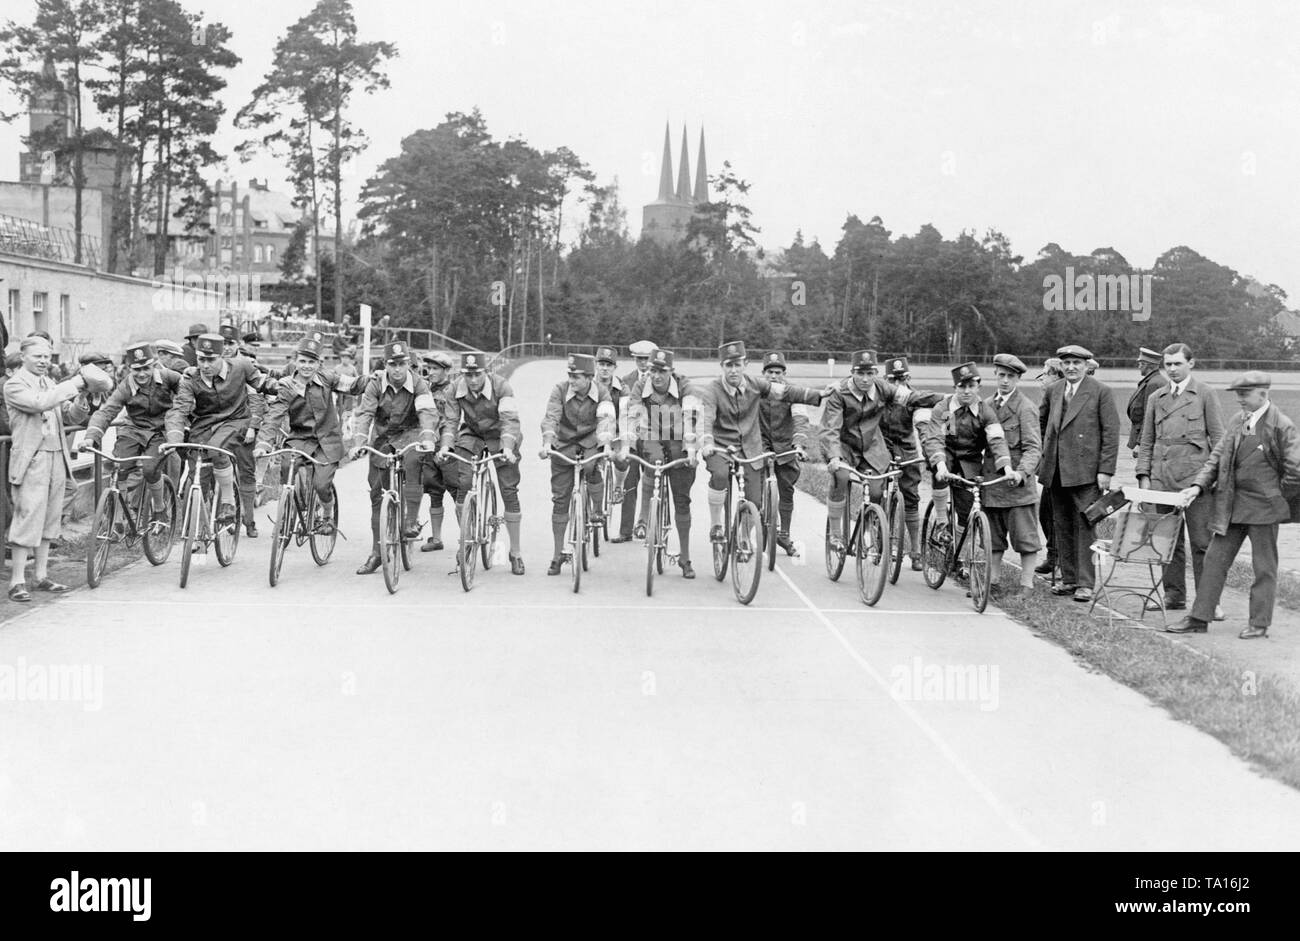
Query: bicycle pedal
(800, 558)
(672, 559)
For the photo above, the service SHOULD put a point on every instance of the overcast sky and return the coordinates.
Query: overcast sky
(1135, 125)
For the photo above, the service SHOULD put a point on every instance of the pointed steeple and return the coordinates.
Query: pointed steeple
(666, 173)
(701, 174)
(684, 171)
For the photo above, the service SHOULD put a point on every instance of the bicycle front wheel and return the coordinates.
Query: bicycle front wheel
(897, 536)
(491, 514)
(936, 552)
(160, 534)
(872, 552)
(226, 538)
(390, 540)
(770, 524)
(193, 517)
(281, 534)
(467, 555)
(746, 552)
(322, 544)
(575, 539)
(835, 557)
(653, 559)
(722, 550)
(978, 551)
(102, 537)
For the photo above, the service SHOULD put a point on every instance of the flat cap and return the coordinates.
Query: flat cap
(1074, 351)
(730, 351)
(99, 359)
(1251, 380)
(1146, 355)
(966, 372)
(252, 336)
(582, 363)
(641, 348)
(439, 358)
(1012, 362)
(168, 346)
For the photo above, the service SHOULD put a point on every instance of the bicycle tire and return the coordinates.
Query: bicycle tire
(574, 538)
(281, 533)
(390, 540)
(593, 529)
(746, 552)
(158, 545)
(935, 560)
(897, 536)
(770, 523)
(722, 550)
(467, 554)
(491, 524)
(102, 537)
(226, 538)
(835, 558)
(979, 540)
(653, 563)
(322, 545)
(193, 516)
(872, 552)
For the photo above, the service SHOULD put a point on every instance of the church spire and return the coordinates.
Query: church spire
(684, 171)
(701, 174)
(666, 174)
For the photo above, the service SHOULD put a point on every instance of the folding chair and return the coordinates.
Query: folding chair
(1139, 536)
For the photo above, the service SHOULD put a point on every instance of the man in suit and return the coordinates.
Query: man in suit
(188, 351)
(1255, 460)
(1182, 424)
(1148, 363)
(1012, 508)
(641, 352)
(39, 462)
(1080, 427)
(1051, 373)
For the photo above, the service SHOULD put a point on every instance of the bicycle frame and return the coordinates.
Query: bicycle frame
(392, 515)
(575, 534)
(977, 523)
(111, 502)
(869, 542)
(294, 517)
(200, 517)
(660, 518)
(895, 513)
(479, 530)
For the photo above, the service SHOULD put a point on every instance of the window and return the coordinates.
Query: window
(270, 254)
(38, 312)
(65, 315)
(13, 311)
(239, 249)
(257, 254)
(226, 241)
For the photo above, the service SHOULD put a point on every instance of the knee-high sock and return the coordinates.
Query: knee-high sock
(512, 529)
(835, 511)
(225, 483)
(912, 520)
(717, 506)
(558, 525)
(157, 495)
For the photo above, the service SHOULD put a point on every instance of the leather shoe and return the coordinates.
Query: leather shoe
(412, 531)
(251, 530)
(717, 535)
(19, 592)
(783, 540)
(554, 567)
(1250, 633)
(431, 545)
(1083, 594)
(371, 565)
(1188, 625)
(225, 514)
(1218, 613)
(1064, 589)
(916, 562)
(1044, 568)
(50, 585)
(516, 565)
(621, 538)
(687, 570)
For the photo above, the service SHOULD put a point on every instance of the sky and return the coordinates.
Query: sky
(1139, 126)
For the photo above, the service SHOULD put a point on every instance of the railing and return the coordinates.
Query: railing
(25, 237)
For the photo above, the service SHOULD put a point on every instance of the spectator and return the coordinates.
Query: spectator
(39, 463)
(188, 350)
(1257, 457)
(1181, 425)
(1080, 426)
(1051, 372)
(170, 355)
(1148, 364)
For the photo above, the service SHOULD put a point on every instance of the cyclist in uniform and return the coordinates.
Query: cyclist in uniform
(785, 427)
(899, 425)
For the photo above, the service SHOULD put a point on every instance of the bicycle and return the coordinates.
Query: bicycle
(659, 523)
(579, 530)
(295, 515)
(747, 537)
(895, 512)
(117, 522)
(939, 554)
(199, 526)
(394, 547)
(869, 539)
(480, 518)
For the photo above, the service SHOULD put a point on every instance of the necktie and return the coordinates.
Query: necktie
(1069, 393)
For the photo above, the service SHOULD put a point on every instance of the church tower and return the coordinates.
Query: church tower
(665, 220)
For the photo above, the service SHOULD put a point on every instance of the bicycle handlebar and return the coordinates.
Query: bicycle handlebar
(580, 462)
(475, 462)
(658, 467)
(870, 478)
(390, 456)
(972, 484)
(302, 454)
(901, 464)
(198, 447)
(116, 460)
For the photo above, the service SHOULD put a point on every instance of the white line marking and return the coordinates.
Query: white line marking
(976, 784)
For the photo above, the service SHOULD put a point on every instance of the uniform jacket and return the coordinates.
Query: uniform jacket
(146, 409)
(27, 403)
(311, 412)
(1178, 435)
(575, 421)
(956, 435)
(851, 422)
(1259, 498)
(1081, 441)
(488, 420)
(617, 393)
(1019, 420)
(901, 421)
(784, 426)
(1137, 404)
(397, 414)
(731, 420)
(661, 425)
(205, 406)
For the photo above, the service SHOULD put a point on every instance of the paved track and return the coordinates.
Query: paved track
(326, 714)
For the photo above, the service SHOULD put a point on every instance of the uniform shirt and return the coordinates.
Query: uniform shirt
(963, 433)
(661, 424)
(309, 408)
(729, 416)
(617, 393)
(146, 406)
(578, 421)
(851, 421)
(899, 421)
(396, 412)
(206, 404)
(487, 419)
(784, 426)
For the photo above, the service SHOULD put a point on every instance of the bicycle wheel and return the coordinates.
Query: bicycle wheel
(491, 514)
(574, 538)
(835, 557)
(322, 545)
(666, 531)
(722, 550)
(281, 533)
(770, 523)
(979, 540)
(102, 537)
(593, 531)
(193, 519)
(390, 540)
(653, 559)
(872, 552)
(746, 552)
(936, 558)
(897, 536)
(159, 536)
(467, 555)
(226, 537)
(607, 503)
